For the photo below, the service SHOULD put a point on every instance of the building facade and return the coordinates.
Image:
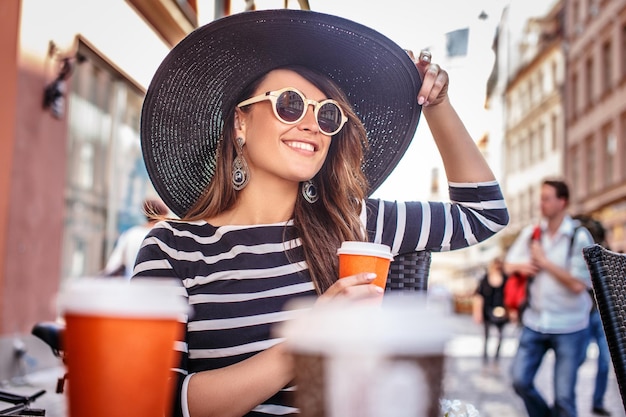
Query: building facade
(533, 127)
(595, 112)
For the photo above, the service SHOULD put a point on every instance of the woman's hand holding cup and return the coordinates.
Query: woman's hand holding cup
(363, 269)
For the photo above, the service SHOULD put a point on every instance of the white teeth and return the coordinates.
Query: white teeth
(301, 145)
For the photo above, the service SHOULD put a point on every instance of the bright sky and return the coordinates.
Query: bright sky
(413, 24)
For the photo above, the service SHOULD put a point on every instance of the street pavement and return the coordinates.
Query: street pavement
(487, 386)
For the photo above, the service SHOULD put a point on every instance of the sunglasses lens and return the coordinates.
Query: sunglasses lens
(329, 118)
(289, 106)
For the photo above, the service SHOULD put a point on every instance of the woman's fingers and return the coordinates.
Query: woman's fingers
(355, 287)
(434, 80)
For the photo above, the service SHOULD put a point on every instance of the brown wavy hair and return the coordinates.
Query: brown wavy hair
(341, 185)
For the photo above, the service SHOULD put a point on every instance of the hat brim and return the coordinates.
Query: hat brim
(182, 115)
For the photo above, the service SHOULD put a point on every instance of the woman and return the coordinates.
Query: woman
(488, 305)
(266, 132)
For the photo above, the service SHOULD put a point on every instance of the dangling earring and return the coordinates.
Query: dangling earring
(309, 191)
(240, 173)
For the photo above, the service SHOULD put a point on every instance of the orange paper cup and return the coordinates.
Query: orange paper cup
(357, 257)
(119, 346)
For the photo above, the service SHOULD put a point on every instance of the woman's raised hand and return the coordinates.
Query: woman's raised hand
(434, 80)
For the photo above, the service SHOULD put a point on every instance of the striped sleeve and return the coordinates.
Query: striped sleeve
(476, 211)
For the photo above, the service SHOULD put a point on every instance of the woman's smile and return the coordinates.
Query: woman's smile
(303, 146)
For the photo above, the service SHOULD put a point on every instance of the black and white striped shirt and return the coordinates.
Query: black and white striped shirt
(239, 278)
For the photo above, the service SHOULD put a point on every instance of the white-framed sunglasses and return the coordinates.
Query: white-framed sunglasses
(290, 106)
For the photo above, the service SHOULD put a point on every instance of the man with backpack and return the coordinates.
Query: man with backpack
(556, 315)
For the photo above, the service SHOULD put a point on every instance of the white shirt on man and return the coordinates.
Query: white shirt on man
(553, 308)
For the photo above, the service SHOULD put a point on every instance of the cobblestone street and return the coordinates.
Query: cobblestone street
(488, 386)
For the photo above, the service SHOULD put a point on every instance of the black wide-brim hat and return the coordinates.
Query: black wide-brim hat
(202, 76)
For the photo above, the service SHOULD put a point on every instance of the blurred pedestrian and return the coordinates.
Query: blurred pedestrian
(557, 313)
(488, 306)
(122, 260)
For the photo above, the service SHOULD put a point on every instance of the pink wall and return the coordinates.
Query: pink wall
(32, 180)
(9, 10)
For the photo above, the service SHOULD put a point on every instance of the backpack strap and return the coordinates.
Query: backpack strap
(571, 246)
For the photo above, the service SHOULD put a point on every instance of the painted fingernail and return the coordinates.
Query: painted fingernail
(420, 100)
(370, 276)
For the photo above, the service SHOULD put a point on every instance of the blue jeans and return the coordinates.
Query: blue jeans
(596, 333)
(569, 353)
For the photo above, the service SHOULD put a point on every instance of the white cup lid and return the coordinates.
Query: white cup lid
(123, 298)
(402, 325)
(365, 248)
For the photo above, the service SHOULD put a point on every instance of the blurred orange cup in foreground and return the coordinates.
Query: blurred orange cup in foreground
(119, 346)
(357, 257)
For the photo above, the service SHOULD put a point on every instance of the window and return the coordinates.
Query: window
(106, 179)
(530, 151)
(623, 72)
(535, 146)
(554, 131)
(609, 147)
(574, 168)
(541, 141)
(574, 96)
(588, 81)
(591, 164)
(576, 12)
(524, 151)
(530, 205)
(88, 108)
(607, 65)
